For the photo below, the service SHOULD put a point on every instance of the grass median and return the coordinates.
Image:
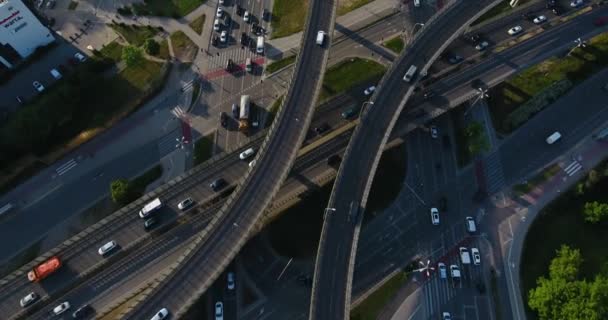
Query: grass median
(562, 222)
(288, 16)
(516, 100)
(348, 74)
(371, 307)
(197, 24)
(167, 8)
(134, 34)
(395, 44)
(183, 47)
(280, 64)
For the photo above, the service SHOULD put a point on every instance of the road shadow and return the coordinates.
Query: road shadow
(356, 37)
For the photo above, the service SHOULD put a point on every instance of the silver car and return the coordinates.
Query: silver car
(29, 299)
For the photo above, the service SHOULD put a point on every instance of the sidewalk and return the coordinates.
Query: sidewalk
(358, 18)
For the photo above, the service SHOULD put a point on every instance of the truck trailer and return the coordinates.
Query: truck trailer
(244, 114)
(44, 269)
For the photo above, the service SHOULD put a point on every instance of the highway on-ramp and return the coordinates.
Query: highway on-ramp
(214, 248)
(330, 298)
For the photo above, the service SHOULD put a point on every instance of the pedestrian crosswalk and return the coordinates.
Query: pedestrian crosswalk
(573, 168)
(494, 174)
(237, 55)
(62, 169)
(179, 113)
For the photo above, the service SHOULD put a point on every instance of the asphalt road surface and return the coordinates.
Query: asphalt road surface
(232, 228)
(335, 258)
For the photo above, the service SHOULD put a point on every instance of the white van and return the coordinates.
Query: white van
(56, 74)
(553, 137)
(470, 224)
(320, 37)
(260, 45)
(150, 207)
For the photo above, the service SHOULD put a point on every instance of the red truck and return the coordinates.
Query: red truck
(44, 269)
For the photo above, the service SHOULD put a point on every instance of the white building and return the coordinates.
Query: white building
(20, 32)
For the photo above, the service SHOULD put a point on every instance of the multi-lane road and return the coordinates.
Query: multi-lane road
(211, 252)
(335, 257)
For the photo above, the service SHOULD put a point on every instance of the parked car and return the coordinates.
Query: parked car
(161, 314)
(217, 184)
(446, 316)
(63, 307)
(223, 36)
(435, 216)
(219, 311)
(231, 282)
(576, 3)
(540, 19)
(80, 57)
(38, 86)
(185, 204)
(51, 4)
(482, 46)
(28, 299)
(369, 90)
(235, 111)
(223, 119)
(434, 132)
(106, 248)
(476, 256)
(600, 21)
(220, 12)
(266, 15)
(247, 16)
(443, 270)
(216, 25)
(515, 30)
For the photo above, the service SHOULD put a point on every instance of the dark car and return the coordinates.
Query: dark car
(224, 119)
(557, 10)
(235, 110)
(528, 16)
(334, 160)
(215, 40)
(227, 20)
(454, 58)
(322, 128)
(150, 223)
(474, 38)
(217, 184)
(239, 10)
(244, 38)
(266, 15)
(429, 94)
(600, 21)
(83, 312)
(347, 114)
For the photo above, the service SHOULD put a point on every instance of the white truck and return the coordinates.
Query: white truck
(464, 255)
(150, 207)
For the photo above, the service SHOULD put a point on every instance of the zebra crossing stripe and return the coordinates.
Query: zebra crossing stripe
(62, 169)
(573, 168)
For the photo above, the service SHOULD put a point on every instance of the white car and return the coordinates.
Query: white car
(231, 282)
(29, 299)
(223, 36)
(434, 132)
(216, 25)
(103, 250)
(38, 86)
(482, 46)
(185, 204)
(539, 19)
(161, 314)
(446, 316)
(80, 57)
(476, 256)
(369, 90)
(435, 216)
(246, 154)
(246, 16)
(63, 307)
(252, 163)
(219, 311)
(576, 3)
(455, 271)
(221, 1)
(219, 12)
(515, 30)
(443, 270)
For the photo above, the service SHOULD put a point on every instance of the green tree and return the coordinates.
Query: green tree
(595, 211)
(566, 264)
(476, 138)
(132, 55)
(120, 190)
(151, 47)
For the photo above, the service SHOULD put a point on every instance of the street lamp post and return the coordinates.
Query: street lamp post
(328, 210)
(366, 103)
(411, 34)
(181, 143)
